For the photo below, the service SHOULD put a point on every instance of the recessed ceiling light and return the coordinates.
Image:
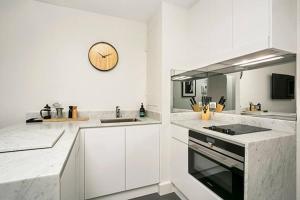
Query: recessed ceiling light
(254, 59)
(262, 61)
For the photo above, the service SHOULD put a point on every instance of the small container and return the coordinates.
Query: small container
(74, 112)
(205, 114)
(70, 112)
(219, 108)
(142, 111)
(59, 112)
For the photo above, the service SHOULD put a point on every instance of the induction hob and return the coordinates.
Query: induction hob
(236, 129)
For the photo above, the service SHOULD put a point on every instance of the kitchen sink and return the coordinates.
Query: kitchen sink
(119, 120)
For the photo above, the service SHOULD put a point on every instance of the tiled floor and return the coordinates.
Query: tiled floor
(155, 196)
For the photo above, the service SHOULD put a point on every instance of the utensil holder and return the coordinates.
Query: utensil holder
(205, 115)
(197, 108)
(219, 108)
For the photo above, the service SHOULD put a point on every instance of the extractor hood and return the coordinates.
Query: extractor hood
(264, 58)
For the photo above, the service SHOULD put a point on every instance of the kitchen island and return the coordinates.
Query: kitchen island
(270, 156)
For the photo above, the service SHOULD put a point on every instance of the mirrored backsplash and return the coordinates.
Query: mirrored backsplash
(267, 92)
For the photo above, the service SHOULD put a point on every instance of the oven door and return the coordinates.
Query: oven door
(220, 173)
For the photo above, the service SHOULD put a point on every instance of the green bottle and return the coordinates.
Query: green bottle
(142, 111)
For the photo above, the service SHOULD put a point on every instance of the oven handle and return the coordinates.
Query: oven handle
(228, 162)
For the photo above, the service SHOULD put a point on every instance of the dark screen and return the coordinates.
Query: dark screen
(283, 86)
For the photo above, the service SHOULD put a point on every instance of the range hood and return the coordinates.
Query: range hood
(264, 58)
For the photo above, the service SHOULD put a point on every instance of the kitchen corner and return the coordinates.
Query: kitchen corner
(36, 174)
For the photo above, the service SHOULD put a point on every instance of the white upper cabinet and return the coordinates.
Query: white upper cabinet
(251, 24)
(142, 156)
(221, 30)
(210, 31)
(262, 24)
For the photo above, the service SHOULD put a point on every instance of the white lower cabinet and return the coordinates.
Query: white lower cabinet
(104, 161)
(69, 181)
(180, 177)
(142, 156)
(120, 158)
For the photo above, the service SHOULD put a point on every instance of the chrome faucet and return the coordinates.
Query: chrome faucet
(118, 112)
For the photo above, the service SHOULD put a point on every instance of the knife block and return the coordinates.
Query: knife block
(196, 108)
(219, 108)
(205, 115)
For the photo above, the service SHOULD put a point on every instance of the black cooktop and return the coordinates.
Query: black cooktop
(236, 129)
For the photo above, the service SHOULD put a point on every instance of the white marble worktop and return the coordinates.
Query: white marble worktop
(280, 128)
(270, 156)
(35, 174)
(197, 125)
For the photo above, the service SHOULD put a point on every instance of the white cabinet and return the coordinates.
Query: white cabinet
(69, 181)
(142, 156)
(251, 24)
(221, 30)
(210, 31)
(261, 24)
(180, 176)
(120, 158)
(104, 161)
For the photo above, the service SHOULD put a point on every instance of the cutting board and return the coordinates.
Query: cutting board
(28, 139)
(66, 119)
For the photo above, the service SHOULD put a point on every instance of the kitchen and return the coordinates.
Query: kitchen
(47, 57)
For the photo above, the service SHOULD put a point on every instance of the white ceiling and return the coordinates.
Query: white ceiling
(140, 10)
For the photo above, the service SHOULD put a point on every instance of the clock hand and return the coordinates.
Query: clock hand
(107, 55)
(101, 55)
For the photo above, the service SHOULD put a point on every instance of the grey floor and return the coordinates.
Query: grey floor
(155, 196)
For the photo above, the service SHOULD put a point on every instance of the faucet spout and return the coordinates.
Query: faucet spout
(118, 112)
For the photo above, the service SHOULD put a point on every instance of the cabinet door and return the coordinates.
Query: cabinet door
(69, 179)
(104, 161)
(187, 184)
(142, 156)
(210, 31)
(251, 25)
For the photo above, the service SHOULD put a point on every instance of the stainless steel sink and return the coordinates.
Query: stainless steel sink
(119, 120)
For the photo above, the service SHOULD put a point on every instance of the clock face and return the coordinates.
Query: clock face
(103, 56)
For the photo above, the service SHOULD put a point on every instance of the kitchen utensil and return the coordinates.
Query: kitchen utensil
(46, 112)
(195, 102)
(33, 120)
(70, 111)
(59, 112)
(191, 100)
(74, 112)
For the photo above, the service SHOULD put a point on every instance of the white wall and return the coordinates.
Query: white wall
(255, 86)
(173, 56)
(43, 59)
(166, 50)
(154, 59)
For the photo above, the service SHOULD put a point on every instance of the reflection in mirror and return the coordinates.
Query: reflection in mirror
(265, 92)
(271, 87)
(214, 86)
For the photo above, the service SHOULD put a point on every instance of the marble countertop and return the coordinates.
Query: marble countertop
(243, 140)
(24, 168)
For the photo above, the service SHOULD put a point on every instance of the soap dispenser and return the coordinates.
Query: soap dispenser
(142, 111)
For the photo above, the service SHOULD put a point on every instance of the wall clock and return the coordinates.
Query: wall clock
(103, 56)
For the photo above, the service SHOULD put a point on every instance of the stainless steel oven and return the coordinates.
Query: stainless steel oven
(217, 164)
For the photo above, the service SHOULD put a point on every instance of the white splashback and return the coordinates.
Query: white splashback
(44, 59)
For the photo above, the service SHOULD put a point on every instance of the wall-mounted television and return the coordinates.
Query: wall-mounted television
(283, 86)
